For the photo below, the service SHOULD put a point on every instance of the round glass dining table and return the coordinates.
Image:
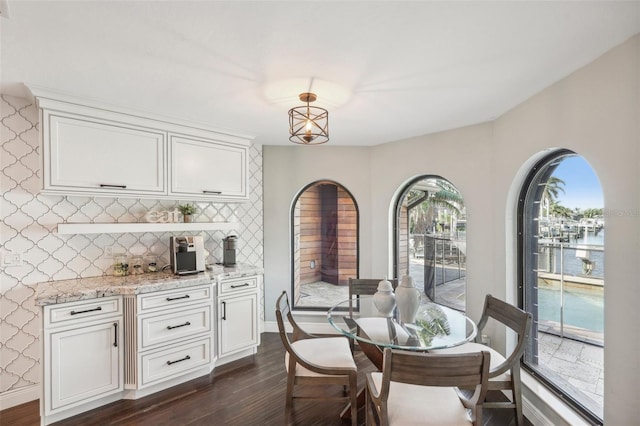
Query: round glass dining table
(435, 326)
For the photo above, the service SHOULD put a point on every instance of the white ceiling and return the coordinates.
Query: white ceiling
(387, 70)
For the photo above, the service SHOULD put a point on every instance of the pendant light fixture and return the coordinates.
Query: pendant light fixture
(308, 125)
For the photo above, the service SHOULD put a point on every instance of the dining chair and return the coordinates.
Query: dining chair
(364, 287)
(367, 286)
(422, 388)
(313, 360)
(504, 373)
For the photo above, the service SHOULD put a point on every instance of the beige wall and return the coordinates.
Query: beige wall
(595, 112)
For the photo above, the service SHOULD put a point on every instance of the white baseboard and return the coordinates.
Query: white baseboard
(19, 396)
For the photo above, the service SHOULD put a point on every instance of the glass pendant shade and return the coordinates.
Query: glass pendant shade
(308, 125)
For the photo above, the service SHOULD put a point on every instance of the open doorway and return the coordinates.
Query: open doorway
(324, 222)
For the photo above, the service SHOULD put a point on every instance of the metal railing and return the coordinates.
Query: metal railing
(570, 291)
(443, 259)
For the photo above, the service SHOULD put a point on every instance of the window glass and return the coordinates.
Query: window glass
(431, 239)
(562, 278)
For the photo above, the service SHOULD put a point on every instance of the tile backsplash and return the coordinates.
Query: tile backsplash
(29, 223)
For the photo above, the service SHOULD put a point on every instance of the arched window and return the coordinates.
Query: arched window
(430, 239)
(324, 229)
(561, 242)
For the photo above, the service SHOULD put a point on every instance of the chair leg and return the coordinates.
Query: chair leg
(517, 394)
(353, 389)
(289, 398)
(478, 416)
(369, 409)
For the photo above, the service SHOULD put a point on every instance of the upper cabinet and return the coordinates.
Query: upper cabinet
(206, 168)
(83, 154)
(96, 150)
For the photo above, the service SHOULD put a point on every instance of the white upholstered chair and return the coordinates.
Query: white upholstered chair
(504, 373)
(312, 360)
(417, 388)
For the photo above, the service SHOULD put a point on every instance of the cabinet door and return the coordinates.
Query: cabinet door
(85, 363)
(93, 156)
(238, 322)
(208, 169)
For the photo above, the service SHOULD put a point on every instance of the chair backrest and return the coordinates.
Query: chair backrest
(466, 370)
(283, 309)
(426, 369)
(366, 286)
(512, 317)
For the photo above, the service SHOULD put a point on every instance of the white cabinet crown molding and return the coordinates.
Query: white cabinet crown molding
(51, 99)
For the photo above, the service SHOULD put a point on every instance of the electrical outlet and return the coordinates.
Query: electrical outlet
(12, 259)
(312, 264)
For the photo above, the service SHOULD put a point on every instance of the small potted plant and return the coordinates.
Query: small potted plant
(187, 210)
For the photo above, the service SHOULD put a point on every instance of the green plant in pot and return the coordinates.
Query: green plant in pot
(187, 211)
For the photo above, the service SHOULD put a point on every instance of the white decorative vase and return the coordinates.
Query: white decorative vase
(384, 299)
(408, 300)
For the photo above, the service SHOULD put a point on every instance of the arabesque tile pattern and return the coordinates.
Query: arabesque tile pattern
(29, 222)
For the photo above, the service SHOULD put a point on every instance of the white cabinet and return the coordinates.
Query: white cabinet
(87, 155)
(82, 353)
(208, 168)
(238, 316)
(97, 150)
(170, 334)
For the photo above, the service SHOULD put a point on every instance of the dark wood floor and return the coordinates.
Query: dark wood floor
(245, 392)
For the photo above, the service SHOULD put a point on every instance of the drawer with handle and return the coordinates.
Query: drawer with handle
(82, 311)
(174, 326)
(172, 362)
(238, 285)
(175, 297)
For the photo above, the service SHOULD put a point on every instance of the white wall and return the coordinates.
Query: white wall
(595, 112)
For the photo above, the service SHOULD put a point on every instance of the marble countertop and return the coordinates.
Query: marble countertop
(52, 292)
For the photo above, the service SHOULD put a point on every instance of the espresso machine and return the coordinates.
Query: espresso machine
(187, 255)
(229, 246)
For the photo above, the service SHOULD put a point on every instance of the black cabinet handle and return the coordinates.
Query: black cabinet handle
(99, 308)
(224, 310)
(169, 299)
(179, 360)
(241, 285)
(171, 327)
(115, 339)
(105, 185)
(211, 192)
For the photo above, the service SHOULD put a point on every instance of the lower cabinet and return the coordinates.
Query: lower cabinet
(100, 350)
(170, 334)
(238, 316)
(83, 354)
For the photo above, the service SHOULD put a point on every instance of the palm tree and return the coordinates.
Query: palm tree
(422, 213)
(560, 211)
(552, 188)
(591, 213)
